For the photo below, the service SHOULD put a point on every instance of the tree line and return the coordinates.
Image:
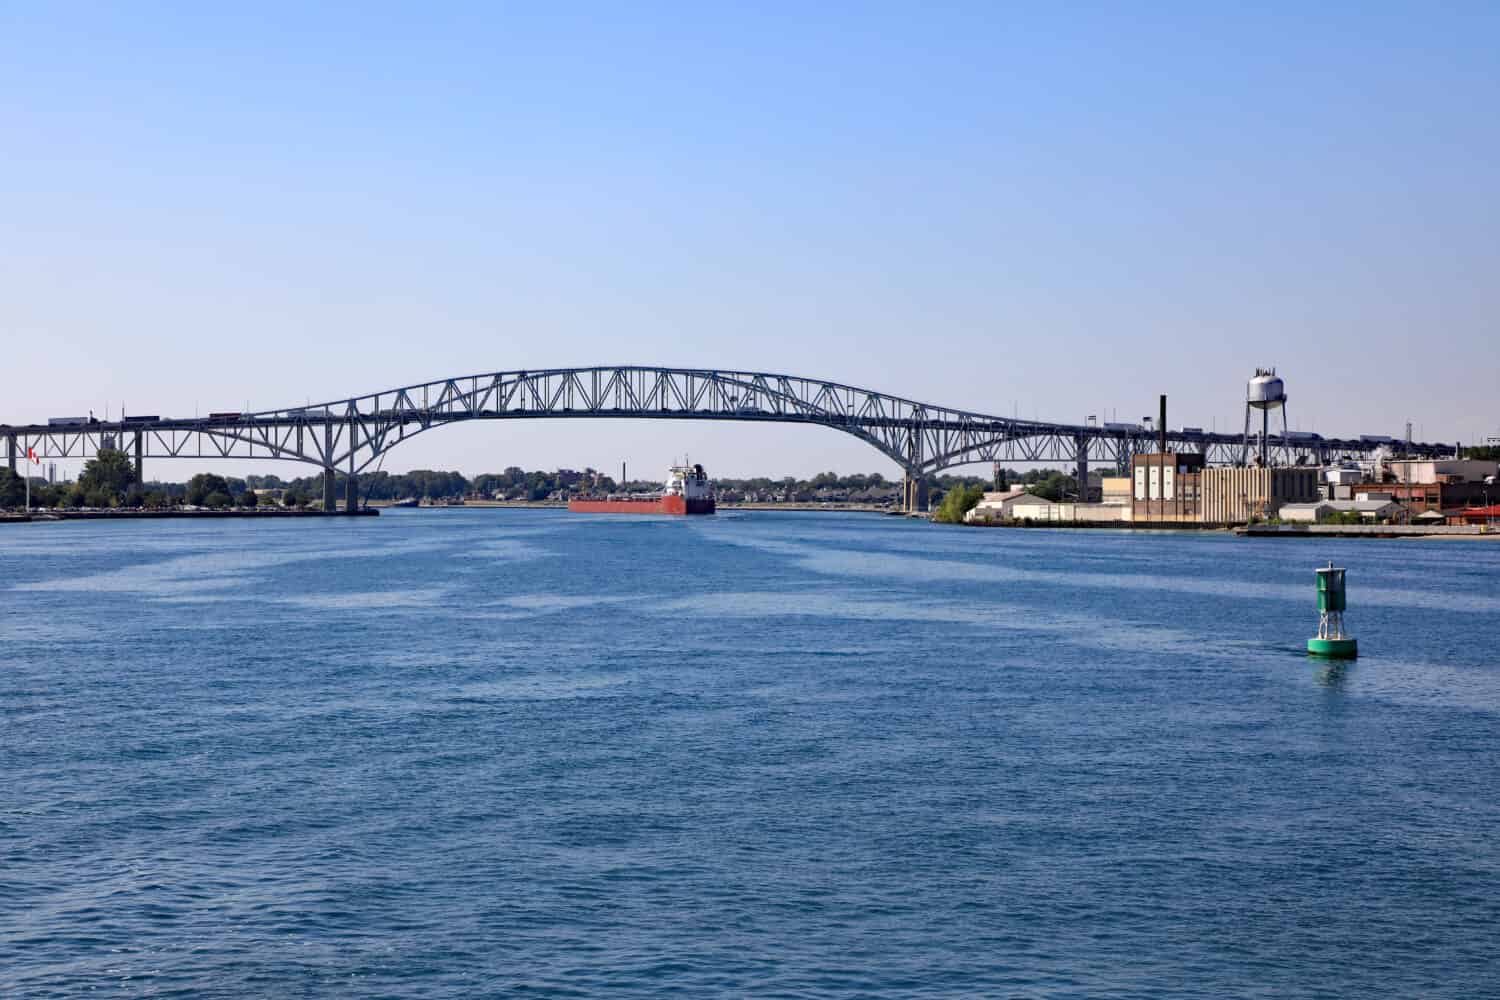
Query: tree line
(109, 480)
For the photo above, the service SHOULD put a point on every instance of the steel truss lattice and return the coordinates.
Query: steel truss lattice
(350, 435)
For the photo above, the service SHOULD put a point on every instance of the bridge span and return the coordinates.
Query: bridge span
(350, 435)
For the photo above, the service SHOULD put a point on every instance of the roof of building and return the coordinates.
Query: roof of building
(1361, 506)
(993, 499)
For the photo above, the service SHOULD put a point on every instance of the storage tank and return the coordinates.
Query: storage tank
(1266, 390)
(1265, 393)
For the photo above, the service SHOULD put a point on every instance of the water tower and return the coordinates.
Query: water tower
(1266, 393)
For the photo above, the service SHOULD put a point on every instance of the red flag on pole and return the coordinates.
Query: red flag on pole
(31, 454)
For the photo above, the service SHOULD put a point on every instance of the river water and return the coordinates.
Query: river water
(521, 753)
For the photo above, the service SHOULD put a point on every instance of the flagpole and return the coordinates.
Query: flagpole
(31, 459)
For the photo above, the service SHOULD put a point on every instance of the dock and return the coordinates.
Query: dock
(1368, 531)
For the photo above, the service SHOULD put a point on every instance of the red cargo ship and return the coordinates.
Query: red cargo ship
(686, 491)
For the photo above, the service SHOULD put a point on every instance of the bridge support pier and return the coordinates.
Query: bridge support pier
(140, 475)
(1081, 446)
(10, 451)
(914, 493)
(351, 494)
(330, 495)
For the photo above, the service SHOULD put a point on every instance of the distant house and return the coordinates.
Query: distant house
(874, 495)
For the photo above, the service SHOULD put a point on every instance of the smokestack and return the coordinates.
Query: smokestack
(1161, 425)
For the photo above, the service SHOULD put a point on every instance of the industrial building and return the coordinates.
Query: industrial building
(1438, 470)
(1115, 490)
(1443, 485)
(1477, 515)
(1016, 505)
(998, 506)
(1167, 487)
(1324, 510)
(1037, 511)
(1235, 496)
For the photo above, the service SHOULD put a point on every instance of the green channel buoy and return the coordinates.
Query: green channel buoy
(1331, 642)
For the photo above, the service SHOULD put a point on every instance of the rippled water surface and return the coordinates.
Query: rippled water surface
(479, 752)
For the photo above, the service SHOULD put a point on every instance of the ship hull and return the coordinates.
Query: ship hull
(654, 505)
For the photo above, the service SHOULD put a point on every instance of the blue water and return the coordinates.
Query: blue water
(520, 753)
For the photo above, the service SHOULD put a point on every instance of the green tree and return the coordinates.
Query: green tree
(957, 502)
(108, 473)
(12, 489)
(217, 500)
(204, 484)
(249, 499)
(1049, 484)
(291, 498)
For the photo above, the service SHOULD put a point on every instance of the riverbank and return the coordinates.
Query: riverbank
(1264, 530)
(1368, 531)
(157, 515)
(843, 508)
(1104, 525)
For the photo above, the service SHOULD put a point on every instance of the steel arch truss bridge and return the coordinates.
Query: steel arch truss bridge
(350, 435)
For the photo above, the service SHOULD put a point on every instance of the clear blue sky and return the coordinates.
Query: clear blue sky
(1051, 209)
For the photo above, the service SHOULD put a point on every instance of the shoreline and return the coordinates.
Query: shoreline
(1386, 531)
(562, 505)
(1368, 531)
(39, 516)
(374, 508)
